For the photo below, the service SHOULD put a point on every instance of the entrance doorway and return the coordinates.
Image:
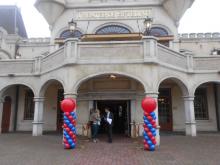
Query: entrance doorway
(60, 97)
(121, 113)
(6, 115)
(164, 109)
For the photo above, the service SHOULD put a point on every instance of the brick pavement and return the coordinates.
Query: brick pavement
(23, 149)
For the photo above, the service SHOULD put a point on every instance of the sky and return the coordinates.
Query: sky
(202, 17)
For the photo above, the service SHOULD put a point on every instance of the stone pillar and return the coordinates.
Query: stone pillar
(134, 124)
(71, 50)
(1, 111)
(190, 116)
(155, 96)
(38, 116)
(150, 48)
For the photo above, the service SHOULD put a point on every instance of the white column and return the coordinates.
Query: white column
(1, 112)
(155, 96)
(134, 124)
(38, 116)
(190, 116)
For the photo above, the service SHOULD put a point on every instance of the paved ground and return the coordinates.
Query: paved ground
(23, 149)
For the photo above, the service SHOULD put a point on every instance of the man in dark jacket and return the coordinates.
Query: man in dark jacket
(109, 123)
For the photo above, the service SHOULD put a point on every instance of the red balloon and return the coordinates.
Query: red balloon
(71, 133)
(64, 125)
(67, 146)
(65, 141)
(70, 118)
(149, 118)
(150, 135)
(155, 125)
(146, 147)
(146, 129)
(74, 122)
(68, 105)
(68, 129)
(149, 104)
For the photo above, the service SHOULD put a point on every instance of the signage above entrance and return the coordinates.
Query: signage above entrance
(113, 14)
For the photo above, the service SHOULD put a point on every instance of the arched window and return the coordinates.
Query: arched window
(113, 29)
(68, 34)
(158, 32)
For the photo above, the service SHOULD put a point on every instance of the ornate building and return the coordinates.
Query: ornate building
(107, 60)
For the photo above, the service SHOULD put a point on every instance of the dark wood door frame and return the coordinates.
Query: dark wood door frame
(6, 115)
(166, 96)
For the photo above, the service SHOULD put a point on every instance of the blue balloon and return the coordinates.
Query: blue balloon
(73, 145)
(154, 134)
(152, 113)
(149, 125)
(65, 133)
(70, 141)
(145, 118)
(72, 113)
(67, 137)
(73, 129)
(146, 138)
(149, 142)
(144, 133)
(152, 129)
(146, 122)
(152, 147)
(70, 125)
(67, 122)
(65, 117)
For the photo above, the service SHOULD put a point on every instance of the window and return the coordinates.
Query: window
(68, 34)
(29, 105)
(200, 104)
(113, 29)
(158, 32)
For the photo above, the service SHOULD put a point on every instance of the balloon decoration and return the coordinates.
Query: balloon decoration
(69, 125)
(149, 105)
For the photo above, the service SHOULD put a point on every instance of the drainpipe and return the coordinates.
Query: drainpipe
(217, 106)
(16, 107)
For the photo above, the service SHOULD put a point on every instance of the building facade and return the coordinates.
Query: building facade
(107, 61)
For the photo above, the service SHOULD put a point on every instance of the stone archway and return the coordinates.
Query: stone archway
(20, 105)
(207, 105)
(52, 92)
(171, 106)
(120, 92)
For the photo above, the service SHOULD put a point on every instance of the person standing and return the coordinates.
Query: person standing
(109, 123)
(95, 117)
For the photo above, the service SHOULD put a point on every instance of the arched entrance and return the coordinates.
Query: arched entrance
(120, 93)
(52, 91)
(207, 106)
(171, 110)
(18, 108)
(6, 114)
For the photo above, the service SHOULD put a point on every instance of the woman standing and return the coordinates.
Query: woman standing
(95, 116)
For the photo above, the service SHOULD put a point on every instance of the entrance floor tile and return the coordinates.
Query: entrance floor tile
(23, 149)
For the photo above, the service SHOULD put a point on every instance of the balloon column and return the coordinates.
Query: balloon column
(149, 105)
(69, 125)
